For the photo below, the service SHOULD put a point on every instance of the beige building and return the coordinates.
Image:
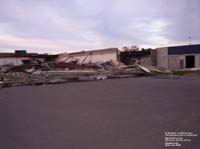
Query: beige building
(177, 57)
(93, 56)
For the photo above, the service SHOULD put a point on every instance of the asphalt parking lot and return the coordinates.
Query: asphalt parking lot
(129, 113)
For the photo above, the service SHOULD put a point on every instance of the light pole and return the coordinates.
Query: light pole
(189, 40)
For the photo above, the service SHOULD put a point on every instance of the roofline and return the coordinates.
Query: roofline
(179, 46)
(34, 55)
(98, 50)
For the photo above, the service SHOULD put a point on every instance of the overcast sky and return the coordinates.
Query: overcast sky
(53, 26)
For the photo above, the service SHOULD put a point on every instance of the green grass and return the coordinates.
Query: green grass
(185, 72)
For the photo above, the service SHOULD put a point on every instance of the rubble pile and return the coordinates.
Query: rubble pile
(38, 73)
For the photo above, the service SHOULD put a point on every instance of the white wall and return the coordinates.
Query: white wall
(197, 60)
(14, 60)
(93, 56)
(97, 57)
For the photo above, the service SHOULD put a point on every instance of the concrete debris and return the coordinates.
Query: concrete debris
(56, 81)
(35, 72)
(87, 78)
(144, 69)
(1, 84)
(158, 70)
(30, 70)
(193, 69)
(101, 77)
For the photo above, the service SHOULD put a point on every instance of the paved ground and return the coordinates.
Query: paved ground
(113, 114)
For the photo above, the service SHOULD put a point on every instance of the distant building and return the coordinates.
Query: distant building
(93, 56)
(19, 56)
(177, 57)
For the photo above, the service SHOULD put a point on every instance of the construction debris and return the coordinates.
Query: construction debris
(36, 72)
(144, 69)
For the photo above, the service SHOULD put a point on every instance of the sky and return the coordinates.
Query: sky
(56, 26)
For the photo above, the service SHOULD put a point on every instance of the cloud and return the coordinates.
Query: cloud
(67, 25)
(43, 45)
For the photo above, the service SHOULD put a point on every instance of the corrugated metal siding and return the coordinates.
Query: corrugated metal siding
(189, 49)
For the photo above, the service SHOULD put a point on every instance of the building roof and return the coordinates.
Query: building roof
(32, 55)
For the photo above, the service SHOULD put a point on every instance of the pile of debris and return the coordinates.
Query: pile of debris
(35, 72)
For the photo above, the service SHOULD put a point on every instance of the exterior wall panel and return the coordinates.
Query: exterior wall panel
(91, 56)
(154, 57)
(197, 60)
(100, 57)
(174, 62)
(162, 57)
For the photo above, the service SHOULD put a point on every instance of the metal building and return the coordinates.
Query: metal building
(177, 57)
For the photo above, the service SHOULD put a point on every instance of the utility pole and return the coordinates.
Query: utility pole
(189, 38)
